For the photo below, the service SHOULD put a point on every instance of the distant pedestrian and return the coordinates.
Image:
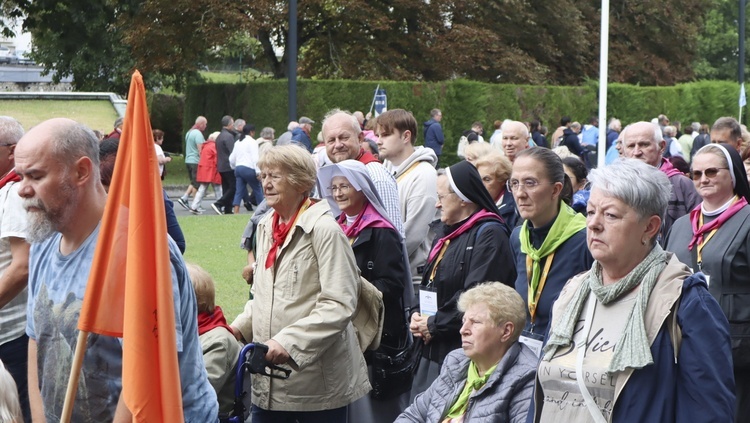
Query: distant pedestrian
(433, 133)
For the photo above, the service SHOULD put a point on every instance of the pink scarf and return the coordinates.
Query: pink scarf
(668, 169)
(714, 224)
(481, 214)
(368, 218)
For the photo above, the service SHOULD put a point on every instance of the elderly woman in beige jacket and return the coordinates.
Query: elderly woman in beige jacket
(305, 288)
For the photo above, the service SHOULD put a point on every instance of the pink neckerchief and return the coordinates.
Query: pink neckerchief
(481, 214)
(668, 168)
(714, 224)
(368, 218)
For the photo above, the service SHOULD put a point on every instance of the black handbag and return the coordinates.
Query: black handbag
(393, 369)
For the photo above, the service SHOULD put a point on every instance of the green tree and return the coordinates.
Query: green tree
(718, 49)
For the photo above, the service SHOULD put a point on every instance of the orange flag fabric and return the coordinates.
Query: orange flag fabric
(129, 291)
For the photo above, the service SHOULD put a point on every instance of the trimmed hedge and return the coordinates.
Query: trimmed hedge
(264, 103)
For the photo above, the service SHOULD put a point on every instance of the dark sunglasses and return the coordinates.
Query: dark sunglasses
(711, 172)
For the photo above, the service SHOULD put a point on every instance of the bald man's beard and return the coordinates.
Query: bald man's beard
(44, 222)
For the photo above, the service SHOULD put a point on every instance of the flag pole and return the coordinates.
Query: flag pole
(374, 97)
(75, 373)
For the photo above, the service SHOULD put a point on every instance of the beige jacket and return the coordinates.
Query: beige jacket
(220, 353)
(305, 302)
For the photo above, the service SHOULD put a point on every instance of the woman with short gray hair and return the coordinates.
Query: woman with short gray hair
(637, 338)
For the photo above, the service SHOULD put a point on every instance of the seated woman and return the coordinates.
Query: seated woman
(380, 256)
(491, 377)
(638, 338)
(220, 348)
(471, 246)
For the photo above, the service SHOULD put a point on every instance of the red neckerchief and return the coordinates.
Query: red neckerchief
(366, 157)
(368, 218)
(481, 214)
(11, 176)
(210, 321)
(280, 231)
(714, 224)
(668, 168)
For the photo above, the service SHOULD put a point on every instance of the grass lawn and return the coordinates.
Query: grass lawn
(96, 114)
(213, 243)
(176, 173)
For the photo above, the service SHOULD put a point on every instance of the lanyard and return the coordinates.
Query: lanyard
(699, 248)
(401, 176)
(438, 259)
(533, 297)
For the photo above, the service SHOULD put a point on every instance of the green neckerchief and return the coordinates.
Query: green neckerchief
(567, 223)
(632, 349)
(474, 382)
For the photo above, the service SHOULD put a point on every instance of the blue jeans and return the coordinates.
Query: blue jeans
(247, 176)
(14, 355)
(337, 415)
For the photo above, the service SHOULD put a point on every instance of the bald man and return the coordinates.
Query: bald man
(58, 161)
(515, 138)
(644, 141)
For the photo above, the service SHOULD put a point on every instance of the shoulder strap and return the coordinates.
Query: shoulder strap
(470, 246)
(674, 330)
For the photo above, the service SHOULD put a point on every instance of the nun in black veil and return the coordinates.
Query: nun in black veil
(471, 246)
(715, 239)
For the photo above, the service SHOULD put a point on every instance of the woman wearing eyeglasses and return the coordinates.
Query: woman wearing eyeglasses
(380, 254)
(471, 246)
(550, 246)
(715, 239)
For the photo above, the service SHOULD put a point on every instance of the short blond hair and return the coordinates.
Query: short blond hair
(476, 150)
(502, 301)
(205, 289)
(497, 164)
(295, 162)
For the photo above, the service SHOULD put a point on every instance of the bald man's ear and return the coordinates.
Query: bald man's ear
(662, 145)
(83, 170)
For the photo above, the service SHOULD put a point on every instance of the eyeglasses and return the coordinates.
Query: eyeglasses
(343, 188)
(711, 172)
(528, 184)
(440, 197)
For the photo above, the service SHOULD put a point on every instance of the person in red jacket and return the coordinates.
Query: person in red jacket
(207, 174)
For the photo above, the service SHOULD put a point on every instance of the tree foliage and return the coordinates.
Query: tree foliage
(652, 42)
(718, 49)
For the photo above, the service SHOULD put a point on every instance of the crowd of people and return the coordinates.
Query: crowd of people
(521, 284)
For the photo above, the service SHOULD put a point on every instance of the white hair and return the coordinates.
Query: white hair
(10, 408)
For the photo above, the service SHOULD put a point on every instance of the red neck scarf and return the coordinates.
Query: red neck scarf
(210, 321)
(669, 169)
(11, 176)
(499, 196)
(280, 231)
(714, 224)
(368, 218)
(481, 214)
(365, 157)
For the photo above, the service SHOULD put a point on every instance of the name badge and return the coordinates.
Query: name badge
(428, 303)
(533, 341)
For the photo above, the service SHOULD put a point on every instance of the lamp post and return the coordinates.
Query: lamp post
(291, 47)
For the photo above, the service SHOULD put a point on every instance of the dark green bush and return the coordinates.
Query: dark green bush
(264, 103)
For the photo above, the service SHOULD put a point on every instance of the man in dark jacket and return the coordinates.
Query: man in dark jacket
(571, 140)
(433, 133)
(224, 147)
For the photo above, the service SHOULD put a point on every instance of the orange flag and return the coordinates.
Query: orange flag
(129, 292)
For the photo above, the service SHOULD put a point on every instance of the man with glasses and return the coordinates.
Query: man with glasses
(644, 141)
